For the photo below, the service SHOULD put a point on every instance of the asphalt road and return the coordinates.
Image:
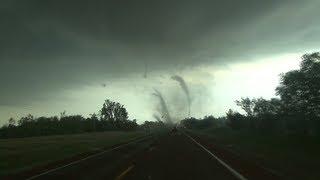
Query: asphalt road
(175, 156)
(169, 156)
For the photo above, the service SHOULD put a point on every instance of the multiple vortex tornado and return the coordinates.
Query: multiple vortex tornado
(163, 107)
(184, 88)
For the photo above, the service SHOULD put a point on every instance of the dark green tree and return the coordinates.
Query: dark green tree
(115, 116)
(113, 111)
(26, 120)
(236, 120)
(300, 92)
(11, 122)
(247, 105)
(263, 107)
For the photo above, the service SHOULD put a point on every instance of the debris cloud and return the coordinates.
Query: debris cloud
(157, 118)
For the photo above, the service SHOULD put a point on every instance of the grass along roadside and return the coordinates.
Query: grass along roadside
(295, 155)
(22, 154)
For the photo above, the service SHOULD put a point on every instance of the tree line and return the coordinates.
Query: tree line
(296, 111)
(112, 116)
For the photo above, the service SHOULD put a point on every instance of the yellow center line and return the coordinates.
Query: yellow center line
(121, 176)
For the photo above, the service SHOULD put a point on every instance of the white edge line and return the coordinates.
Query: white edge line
(89, 157)
(234, 172)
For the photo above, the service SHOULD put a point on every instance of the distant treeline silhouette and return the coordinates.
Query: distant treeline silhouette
(112, 116)
(297, 111)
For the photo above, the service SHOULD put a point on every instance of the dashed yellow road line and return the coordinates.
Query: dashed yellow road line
(123, 174)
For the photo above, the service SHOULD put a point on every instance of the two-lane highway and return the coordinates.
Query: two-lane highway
(177, 157)
(173, 155)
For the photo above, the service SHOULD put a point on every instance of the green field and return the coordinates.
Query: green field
(24, 153)
(295, 155)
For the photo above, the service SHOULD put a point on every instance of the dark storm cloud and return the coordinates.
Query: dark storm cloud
(47, 46)
(35, 28)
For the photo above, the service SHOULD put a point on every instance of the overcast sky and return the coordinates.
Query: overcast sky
(55, 55)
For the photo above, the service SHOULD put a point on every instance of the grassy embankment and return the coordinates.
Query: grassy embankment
(21, 154)
(296, 155)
